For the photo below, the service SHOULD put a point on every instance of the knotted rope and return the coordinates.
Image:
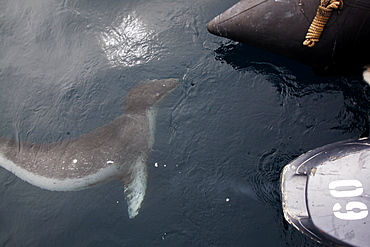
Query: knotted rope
(323, 14)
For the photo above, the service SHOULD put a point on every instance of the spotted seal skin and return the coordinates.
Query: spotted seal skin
(117, 150)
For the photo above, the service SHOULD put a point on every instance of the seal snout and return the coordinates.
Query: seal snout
(170, 84)
(146, 94)
(163, 87)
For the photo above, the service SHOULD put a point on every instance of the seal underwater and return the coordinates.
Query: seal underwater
(117, 150)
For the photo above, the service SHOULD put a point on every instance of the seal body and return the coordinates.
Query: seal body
(117, 150)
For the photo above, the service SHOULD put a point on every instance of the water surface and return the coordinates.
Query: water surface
(223, 136)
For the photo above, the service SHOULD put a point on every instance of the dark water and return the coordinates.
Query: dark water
(223, 135)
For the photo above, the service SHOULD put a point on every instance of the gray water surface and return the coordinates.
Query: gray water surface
(223, 136)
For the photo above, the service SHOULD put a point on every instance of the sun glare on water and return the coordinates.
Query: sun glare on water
(129, 42)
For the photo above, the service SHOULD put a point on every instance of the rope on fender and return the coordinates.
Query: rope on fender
(323, 14)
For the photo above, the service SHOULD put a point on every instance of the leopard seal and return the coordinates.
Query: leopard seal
(117, 150)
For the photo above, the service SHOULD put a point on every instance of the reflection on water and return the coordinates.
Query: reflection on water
(129, 42)
(239, 115)
(303, 83)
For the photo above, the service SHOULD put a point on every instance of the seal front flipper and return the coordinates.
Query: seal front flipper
(135, 186)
